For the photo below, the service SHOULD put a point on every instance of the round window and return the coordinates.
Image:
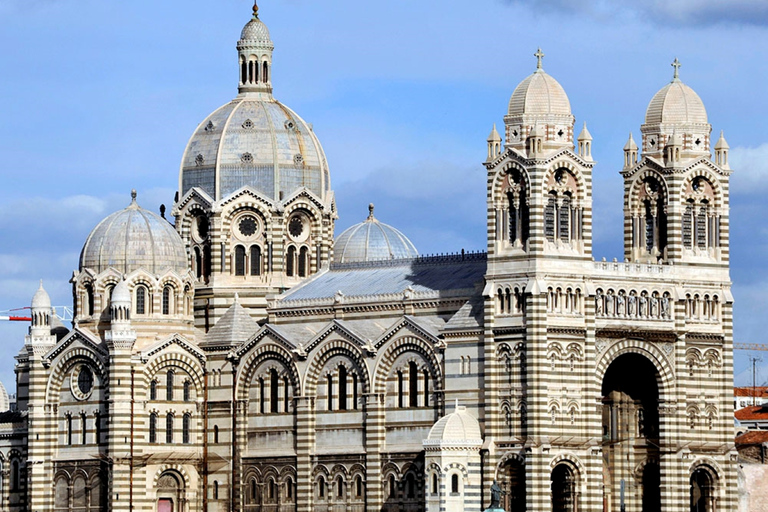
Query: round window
(248, 226)
(81, 382)
(295, 227)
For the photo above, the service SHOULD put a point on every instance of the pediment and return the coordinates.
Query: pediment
(169, 341)
(77, 337)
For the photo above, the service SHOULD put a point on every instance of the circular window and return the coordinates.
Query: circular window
(297, 228)
(248, 226)
(82, 381)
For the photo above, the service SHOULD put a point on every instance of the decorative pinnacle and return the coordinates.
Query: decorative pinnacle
(539, 55)
(255, 9)
(370, 211)
(676, 64)
(133, 195)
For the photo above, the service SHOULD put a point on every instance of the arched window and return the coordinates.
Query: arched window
(141, 300)
(400, 389)
(169, 428)
(426, 388)
(339, 487)
(274, 384)
(89, 298)
(153, 390)
(83, 429)
(255, 260)
(410, 486)
(243, 72)
(321, 487)
(207, 259)
(187, 391)
(358, 487)
(253, 491)
(69, 429)
(303, 261)
(413, 385)
(15, 480)
(290, 261)
(565, 219)
(153, 427)
(251, 65)
(702, 491)
(342, 388)
(454, 484)
(215, 489)
(550, 218)
(286, 405)
(434, 483)
(262, 396)
(97, 428)
(355, 399)
(169, 381)
(185, 426)
(239, 260)
(649, 222)
(392, 487)
(265, 75)
(515, 219)
(289, 489)
(198, 263)
(215, 434)
(167, 300)
(330, 392)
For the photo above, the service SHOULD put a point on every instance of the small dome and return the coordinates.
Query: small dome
(372, 240)
(255, 31)
(539, 94)
(457, 426)
(121, 294)
(676, 103)
(133, 239)
(41, 299)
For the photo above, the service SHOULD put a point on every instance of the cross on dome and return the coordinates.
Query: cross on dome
(539, 55)
(676, 64)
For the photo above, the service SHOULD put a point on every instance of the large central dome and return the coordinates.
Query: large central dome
(254, 140)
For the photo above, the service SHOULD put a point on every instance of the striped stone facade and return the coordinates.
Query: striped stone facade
(264, 377)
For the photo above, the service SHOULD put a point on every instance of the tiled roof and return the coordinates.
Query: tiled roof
(235, 326)
(748, 391)
(752, 413)
(752, 437)
(422, 275)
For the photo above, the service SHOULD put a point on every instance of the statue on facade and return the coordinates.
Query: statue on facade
(496, 494)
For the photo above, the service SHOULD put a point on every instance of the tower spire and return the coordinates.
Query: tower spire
(539, 56)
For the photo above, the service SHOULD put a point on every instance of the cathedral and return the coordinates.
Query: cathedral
(239, 356)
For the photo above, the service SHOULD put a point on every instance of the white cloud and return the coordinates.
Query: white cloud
(750, 168)
(688, 12)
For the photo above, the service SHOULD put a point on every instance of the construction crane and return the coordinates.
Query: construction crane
(749, 346)
(63, 313)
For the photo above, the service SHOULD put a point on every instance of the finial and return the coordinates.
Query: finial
(255, 9)
(237, 297)
(370, 211)
(539, 55)
(676, 64)
(41, 285)
(133, 195)
(456, 407)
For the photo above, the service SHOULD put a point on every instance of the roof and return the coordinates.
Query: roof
(372, 240)
(752, 413)
(457, 426)
(132, 239)
(539, 94)
(676, 103)
(423, 275)
(749, 391)
(235, 326)
(751, 437)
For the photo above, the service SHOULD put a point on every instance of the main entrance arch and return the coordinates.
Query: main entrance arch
(630, 395)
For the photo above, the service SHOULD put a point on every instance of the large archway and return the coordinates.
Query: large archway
(564, 489)
(512, 480)
(702, 490)
(630, 394)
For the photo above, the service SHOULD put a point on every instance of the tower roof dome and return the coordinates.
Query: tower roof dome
(132, 239)
(255, 30)
(372, 240)
(121, 294)
(456, 426)
(41, 299)
(539, 94)
(676, 103)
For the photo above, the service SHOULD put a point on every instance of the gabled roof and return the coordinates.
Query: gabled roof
(174, 339)
(752, 413)
(749, 391)
(752, 437)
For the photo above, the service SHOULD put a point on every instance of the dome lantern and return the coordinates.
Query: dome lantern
(255, 57)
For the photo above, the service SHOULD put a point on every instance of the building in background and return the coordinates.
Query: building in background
(240, 359)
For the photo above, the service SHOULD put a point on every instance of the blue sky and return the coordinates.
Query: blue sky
(98, 97)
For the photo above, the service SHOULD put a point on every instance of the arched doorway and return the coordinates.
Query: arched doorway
(630, 395)
(512, 482)
(702, 491)
(170, 492)
(563, 484)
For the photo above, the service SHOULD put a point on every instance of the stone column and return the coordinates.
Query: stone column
(375, 438)
(305, 444)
